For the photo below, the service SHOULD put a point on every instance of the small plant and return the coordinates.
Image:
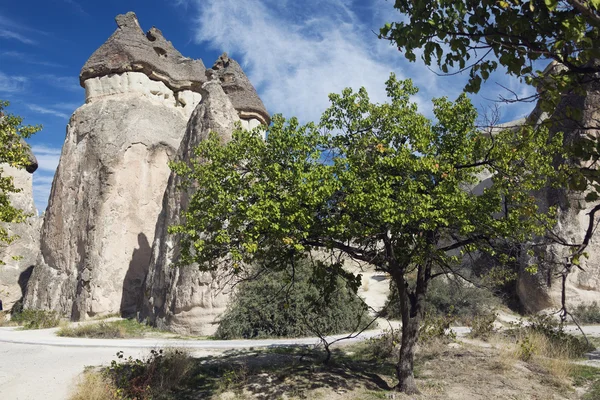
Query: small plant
(436, 327)
(587, 313)
(36, 319)
(525, 349)
(145, 379)
(107, 330)
(482, 325)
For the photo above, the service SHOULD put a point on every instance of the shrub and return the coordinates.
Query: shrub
(127, 328)
(587, 313)
(151, 378)
(272, 305)
(449, 296)
(482, 325)
(36, 319)
(544, 336)
(437, 327)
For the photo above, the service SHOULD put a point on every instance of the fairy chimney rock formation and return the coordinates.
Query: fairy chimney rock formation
(108, 196)
(107, 192)
(187, 300)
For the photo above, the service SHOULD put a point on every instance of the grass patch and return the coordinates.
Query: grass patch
(588, 377)
(36, 319)
(587, 313)
(121, 329)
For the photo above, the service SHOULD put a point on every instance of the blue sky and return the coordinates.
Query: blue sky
(294, 52)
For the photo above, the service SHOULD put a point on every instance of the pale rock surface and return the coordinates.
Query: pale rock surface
(138, 84)
(543, 289)
(186, 300)
(15, 274)
(103, 206)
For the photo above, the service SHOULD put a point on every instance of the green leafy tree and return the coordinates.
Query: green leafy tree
(15, 153)
(377, 183)
(479, 36)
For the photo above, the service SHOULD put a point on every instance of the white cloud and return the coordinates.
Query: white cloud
(77, 7)
(70, 83)
(295, 53)
(42, 185)
(28, 58)
(298, 53)
(46, 110)
(47, 157)
(11, 84)
(7, 34)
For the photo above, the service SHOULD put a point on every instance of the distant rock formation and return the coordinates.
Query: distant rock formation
(543, 289)
(186, 300)
(98, 235)
(15, 274)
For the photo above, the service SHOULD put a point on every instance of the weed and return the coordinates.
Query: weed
(36, 319)
(149, 378)
(107, 330)
(587, 313)
(482, 325)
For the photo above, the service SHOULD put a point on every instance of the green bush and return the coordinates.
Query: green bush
(152, 378)
(275, 305)
(448, 297)
(36, 319)
(587, 313)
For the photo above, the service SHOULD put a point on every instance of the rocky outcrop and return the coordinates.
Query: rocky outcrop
(108, 188)
(186, 300)
(99, 229)
(130, 50)
(543, 289)
(242, 94)
(15, 274)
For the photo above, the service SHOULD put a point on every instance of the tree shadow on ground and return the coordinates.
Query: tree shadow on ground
(276, 372)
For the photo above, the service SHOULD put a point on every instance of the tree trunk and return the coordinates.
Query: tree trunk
(404, 368)
(412, 307)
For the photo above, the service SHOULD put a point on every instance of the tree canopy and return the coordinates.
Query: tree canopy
(15, 153)
(378, 183)
(478, 36)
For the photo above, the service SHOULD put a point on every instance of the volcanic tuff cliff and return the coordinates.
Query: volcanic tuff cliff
(104, 242)
(107, 194)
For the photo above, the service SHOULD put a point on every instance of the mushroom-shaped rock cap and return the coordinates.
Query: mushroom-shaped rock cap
(236, 84)
(129, 49)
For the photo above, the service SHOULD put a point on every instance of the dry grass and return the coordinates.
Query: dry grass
(94, 386)
(465, 370)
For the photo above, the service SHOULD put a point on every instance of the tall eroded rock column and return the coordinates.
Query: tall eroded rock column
(107, 192)
(186, 300)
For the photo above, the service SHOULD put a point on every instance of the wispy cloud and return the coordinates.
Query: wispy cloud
(28, 58)
(77, 7)
(10, 29)
(47, 110)
(7, 34)
(42, 185)
(70, 83)
(11, 84)
(296, 53)
(48, 158)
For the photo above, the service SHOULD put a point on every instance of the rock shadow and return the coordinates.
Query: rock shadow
(135, 276)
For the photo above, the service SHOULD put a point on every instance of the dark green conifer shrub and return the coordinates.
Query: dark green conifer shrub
(286, 304)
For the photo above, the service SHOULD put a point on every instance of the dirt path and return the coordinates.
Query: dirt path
(39, 365)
